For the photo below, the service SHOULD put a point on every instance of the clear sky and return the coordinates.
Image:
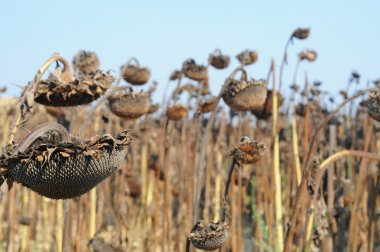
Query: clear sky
(161, 34)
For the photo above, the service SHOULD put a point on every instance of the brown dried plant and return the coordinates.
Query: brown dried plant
(62, 89)
(57, 165)
(86, 62)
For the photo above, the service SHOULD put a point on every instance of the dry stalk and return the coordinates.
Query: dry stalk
(323, 124)
(330, 181)
(326, 165)
(276, 167)
(359, 215)
(295, 147)
(284, 61)
(26, 99)
(296, 71)
(199, 175)
(302, 188)
(25, 228)
(233, 164)
(341, 154)
(59, 225)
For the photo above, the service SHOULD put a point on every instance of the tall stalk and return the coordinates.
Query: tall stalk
(276, 166)
(59, 225)
(295, 147)
(199, 171)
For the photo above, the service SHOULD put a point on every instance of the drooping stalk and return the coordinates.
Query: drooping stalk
(284, 61)
(341, 154)
(67, 75)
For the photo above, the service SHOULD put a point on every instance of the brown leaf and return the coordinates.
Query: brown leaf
(64, 154)
(89, 152)
(3, 170)
(40, 159)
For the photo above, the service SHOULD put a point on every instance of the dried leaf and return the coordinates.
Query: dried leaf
(64, 154)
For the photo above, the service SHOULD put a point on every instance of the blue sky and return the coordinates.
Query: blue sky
(161, 34)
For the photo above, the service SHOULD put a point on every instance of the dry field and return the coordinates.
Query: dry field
(244, 169)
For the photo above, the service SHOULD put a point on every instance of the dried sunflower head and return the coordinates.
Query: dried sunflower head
(245, 95)
(209, 237)
(301, 33)
(218, 60)
(194, 71)
(308, 55)
(130, 105)
(133, 73)
(82, 90)
(176, 112)
(175, 75)
(355, 77)
(248, 151)
(62, 89)
(373, 105)
(86, 62)
(106, 239)
(58, 165)
(247, 57)
(207, 105)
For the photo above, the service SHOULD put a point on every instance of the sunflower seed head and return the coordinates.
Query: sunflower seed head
(301, 33)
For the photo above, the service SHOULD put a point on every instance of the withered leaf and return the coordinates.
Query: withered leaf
(89, 152)
(40, 159)
(64, 154)
(3, 170)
